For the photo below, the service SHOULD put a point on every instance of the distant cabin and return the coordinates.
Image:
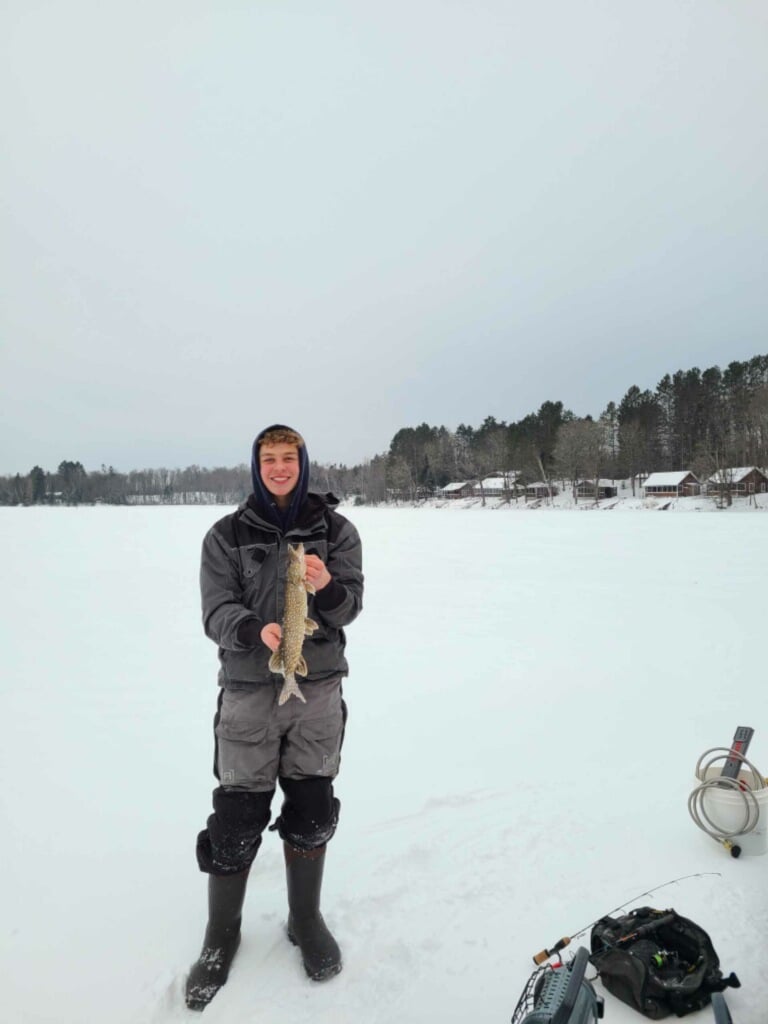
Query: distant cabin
(499, 484)
(539, 489)
(457, 490)
(682, 484)
(740, 480)
(491, 487)
(605, 489)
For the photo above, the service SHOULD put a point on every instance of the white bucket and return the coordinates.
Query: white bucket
(728, 810)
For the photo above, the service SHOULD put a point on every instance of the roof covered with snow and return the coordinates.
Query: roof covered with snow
(668, 479)
(455, 486)
(492, 482)
(734, 475)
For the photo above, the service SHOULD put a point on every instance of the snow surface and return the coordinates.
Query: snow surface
(529, 696)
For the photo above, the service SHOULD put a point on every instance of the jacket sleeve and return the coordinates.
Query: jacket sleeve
(341, 601)
(226, 620)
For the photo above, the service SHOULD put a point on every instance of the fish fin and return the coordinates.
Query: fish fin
(276, 662)
(310, 626)
(309, 587)
(301, 667)
(290, 689)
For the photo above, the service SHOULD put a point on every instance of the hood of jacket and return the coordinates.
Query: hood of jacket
(264, 503)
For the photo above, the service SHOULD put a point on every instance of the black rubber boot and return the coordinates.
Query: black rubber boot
(226, 894)
(306, 928)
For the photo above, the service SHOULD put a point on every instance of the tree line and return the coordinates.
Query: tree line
(704, 421)
(72, 484)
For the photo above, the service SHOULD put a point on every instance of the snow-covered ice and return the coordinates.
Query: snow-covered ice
(528, 698)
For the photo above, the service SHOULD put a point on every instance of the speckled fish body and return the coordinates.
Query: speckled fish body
(288, 659)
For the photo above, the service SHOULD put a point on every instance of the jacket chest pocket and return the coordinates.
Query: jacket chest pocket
(254, 561)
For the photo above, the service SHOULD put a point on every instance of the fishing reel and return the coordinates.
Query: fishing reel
(559, 994)
(666, 966)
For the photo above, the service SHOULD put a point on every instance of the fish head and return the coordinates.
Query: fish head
(297, 569)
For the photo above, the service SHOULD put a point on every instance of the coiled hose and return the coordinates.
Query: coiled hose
(696, 801)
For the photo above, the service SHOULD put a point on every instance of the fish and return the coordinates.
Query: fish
(288, 659)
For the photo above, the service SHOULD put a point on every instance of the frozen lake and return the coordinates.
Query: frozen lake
(528, 697)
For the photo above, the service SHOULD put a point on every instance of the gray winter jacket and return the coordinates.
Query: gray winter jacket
(242, 574)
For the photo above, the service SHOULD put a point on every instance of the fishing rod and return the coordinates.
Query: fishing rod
(545, 954)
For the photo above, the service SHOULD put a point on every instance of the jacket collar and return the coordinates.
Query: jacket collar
(309, 515)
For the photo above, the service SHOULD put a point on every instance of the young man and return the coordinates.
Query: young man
(259, 742)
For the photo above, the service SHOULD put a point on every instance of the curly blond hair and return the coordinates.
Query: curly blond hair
(282, 436)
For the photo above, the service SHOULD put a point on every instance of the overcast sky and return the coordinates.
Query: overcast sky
(354, 217)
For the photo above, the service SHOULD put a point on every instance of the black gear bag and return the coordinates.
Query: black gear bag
(657, 962)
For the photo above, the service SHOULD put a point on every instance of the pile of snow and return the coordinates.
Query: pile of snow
(527, 702)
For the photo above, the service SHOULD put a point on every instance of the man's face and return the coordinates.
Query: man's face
(279, 468)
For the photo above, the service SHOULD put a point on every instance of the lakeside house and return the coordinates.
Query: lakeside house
(605, 489)
(499, 485)
(491, 487)
(462, 489)
(680, 484)
(540, 489)
(739, 480)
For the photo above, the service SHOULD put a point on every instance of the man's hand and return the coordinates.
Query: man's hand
(316, 573)
(271, 635)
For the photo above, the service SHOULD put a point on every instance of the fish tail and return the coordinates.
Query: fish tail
(291, 689)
